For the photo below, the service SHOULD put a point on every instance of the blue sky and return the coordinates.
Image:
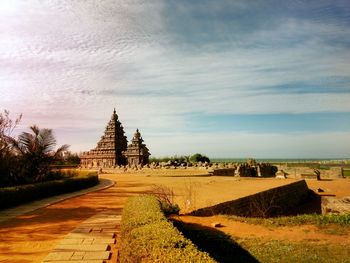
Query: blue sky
(264, 79)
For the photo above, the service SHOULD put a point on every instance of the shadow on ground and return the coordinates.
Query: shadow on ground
(216, 243)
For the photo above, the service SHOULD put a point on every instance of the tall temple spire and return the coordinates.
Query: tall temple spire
(109, 150)
(114, 115)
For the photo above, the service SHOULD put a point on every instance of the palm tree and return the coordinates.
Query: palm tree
(36, 150)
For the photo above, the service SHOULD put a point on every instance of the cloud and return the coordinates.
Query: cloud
(66, 64)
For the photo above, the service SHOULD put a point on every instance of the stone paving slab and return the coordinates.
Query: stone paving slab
(87, 235)
(78, 261)
(88, 242)
(82, 247)
(59, 256)
(97, 255)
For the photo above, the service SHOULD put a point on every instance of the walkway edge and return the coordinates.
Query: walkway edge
(10, 213)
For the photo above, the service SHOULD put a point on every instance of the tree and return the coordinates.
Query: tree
(199, 158)
(36, 151)
(7, 158)
(71, 158)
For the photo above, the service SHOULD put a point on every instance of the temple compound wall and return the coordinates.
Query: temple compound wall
(113, 150)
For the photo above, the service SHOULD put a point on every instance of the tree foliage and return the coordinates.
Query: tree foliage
(8, 160)
(199, 158)
(36, 150)
(182, 159)
(172, 159)
(28, 158)
(70, 158)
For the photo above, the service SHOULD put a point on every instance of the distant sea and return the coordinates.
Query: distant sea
(286, 160)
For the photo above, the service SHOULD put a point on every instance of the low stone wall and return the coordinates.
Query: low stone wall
(306, 172)
(223, 172)
(274, 201)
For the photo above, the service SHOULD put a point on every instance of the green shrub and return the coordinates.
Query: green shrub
(169, 209)
(199, 158)
(147, 235)
(12, 196)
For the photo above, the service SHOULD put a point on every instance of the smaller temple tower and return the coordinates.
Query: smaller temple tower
(137, 152)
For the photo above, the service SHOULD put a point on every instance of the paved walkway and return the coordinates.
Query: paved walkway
(10, 213)
(91, 242)
(33, 236)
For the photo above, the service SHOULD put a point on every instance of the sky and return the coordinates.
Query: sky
(261, 79)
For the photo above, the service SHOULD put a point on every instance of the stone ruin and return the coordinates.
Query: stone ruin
(113, 150)
(256, 169)
(247, 169)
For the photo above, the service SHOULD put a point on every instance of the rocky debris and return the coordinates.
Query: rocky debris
(333, 205)
(216, 224)
(281, 174)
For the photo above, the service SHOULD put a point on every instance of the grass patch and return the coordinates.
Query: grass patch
(346, 173)
(312, 219)
(147, 235)
(73, 181)
(284, 251)
(225, 248)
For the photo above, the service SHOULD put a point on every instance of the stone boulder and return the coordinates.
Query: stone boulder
(333, 205)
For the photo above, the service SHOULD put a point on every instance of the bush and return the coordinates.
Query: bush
(199, 158)
(169, 209)
(12, 196)
(147, 236)
(165, 196)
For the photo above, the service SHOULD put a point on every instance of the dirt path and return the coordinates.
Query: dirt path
(30, 237)
(293, 233)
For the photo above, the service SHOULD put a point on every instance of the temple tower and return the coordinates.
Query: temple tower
(137, 152)
(109, 150)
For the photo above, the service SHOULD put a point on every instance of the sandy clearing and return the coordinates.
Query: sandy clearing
(30, 237)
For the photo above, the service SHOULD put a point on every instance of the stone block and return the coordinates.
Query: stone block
(78, 261)
(104, 241)
(78, 255)
(88, 235)
(87, 241)
(97, 255)
(58, 256)
(94, 247)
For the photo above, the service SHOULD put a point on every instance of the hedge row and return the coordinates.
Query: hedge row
(147, 236)
(12, 196)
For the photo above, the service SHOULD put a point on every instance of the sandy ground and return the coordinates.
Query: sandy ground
(337, 187)
(30, 237)
(197, 192)
(309, 233)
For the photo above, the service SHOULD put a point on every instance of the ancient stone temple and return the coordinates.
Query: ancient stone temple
(137, 153)
(112, 150)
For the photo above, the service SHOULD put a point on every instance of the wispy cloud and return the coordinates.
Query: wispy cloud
(66, 64)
